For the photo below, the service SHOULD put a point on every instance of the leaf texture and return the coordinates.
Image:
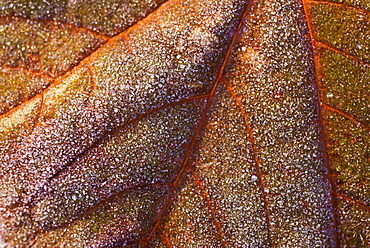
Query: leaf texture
(342, 72)
(205, 124)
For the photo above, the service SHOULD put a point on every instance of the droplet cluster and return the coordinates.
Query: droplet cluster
(272, 75)
(109, 17)
(205, 124)
(78, 151)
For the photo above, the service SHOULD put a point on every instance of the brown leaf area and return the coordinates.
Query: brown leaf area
(185, 123)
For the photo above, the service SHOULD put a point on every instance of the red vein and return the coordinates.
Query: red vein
(23, 70)
(354, 201)
(13, 109)
(128, 43)
(94, 206)
(93, 87)
(340, 112)
(180, 173)
(105, 136)
(340, 5)
(19, 106)
(315, 69)
(255, 159)
(93, 79)
(58, 23)
(39, 115)
(90, 56)
(342, 52)
(165, 239)
(158, 21)
(90, 209)
(209, 204)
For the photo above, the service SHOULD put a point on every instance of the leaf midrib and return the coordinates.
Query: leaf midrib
(201, 123)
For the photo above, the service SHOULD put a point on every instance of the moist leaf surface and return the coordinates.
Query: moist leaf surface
(205, 124)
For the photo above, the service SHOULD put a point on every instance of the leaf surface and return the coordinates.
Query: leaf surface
(206, 124)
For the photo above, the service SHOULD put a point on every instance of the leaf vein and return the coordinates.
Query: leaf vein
(256, 160)
(98, 203)
(342, 52)
(341, 5)
(104, 137)
(354, 201)
(210, 207)
(87, 58)
(315, 70)
(23, 70)
(342, 113)
(58, 23)
(200, 124)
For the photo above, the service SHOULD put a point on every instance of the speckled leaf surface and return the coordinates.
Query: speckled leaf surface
(185, 123)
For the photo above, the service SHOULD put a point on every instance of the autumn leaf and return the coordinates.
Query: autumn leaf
(185, 123)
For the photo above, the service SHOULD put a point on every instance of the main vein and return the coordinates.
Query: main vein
(185, 163)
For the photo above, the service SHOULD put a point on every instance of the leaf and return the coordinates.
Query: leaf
(205, 124)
